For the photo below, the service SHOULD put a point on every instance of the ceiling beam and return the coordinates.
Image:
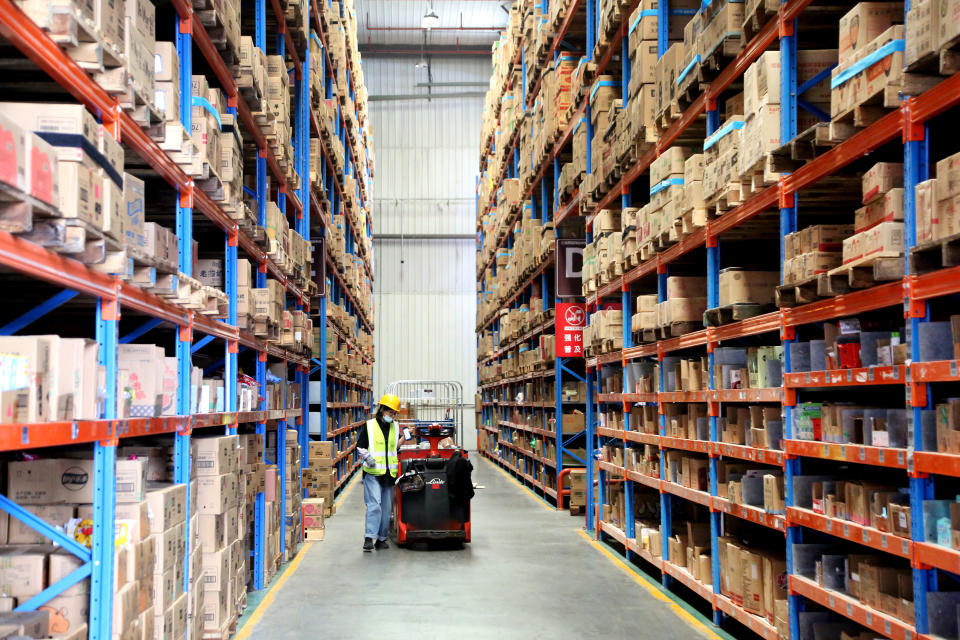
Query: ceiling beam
(426, 96)
(437, 50)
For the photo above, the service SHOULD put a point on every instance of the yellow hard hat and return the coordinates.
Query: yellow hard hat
(390, 401)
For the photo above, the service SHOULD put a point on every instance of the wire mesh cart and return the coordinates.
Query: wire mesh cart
(434, 488)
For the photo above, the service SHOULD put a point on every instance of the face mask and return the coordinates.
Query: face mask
(387, 419)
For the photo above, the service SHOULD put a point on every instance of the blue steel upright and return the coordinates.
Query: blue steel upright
(104, 480)
(184, 215)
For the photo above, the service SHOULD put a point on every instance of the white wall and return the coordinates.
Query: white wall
(426, 168)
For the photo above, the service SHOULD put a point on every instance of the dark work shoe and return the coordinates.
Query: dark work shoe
(368, 544)
(382, 544)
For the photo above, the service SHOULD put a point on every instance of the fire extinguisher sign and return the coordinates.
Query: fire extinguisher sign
(571, 319)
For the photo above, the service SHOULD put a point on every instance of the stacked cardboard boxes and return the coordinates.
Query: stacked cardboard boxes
(221, 488)
(320, 477)
(60, 491)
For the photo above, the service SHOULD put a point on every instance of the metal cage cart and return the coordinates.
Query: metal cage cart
(433, 492)
(427, 402)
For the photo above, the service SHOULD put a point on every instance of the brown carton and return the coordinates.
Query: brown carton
(863, 23)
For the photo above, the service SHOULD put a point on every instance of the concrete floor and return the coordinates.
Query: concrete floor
(527, 574)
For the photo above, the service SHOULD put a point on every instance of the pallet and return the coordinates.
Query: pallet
(66, 236)
(266, 329)
(810, 144)
(756, 14)
(313, 535)
(608, 346)
(630, 261)
(139, 106)
(645, 336)
(866, 272)
(676, 329)
(803, 291)
(870, 109)
(934, 255)
(577, 510)
(733, 313)
(225, 632)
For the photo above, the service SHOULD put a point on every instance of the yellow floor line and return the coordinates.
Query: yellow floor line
(343, 494)
(268, 599)
(651, 588)
(517, 482)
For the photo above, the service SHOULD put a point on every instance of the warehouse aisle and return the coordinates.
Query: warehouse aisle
(528, 574)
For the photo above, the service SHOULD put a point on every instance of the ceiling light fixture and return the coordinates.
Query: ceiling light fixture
(430, 20)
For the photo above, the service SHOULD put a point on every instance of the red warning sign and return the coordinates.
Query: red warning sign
(571, 319)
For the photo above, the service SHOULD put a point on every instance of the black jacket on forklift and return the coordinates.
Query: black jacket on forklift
(363, 442)
(459, 479)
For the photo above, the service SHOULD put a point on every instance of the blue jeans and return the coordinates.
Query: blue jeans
(379, 501)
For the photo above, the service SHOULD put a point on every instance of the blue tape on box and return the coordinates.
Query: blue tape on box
(888, 49)
(722, 131)
(663, 184)
(688, 69)
(197, 101)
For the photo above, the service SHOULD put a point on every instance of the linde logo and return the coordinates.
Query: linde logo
(436, 483)
(74, 479)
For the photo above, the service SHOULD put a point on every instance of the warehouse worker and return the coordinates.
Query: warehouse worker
(377, 446)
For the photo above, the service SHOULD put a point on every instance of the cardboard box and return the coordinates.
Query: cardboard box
(32, 624)
(882, 240)
(215, 456)
(131, 478)
(167, 505)
(217, 569)
(885, 208)
(572, 422)
(68, 614)
(686, 287)
(863, 23)
(752, 581)
(55, 515)
(737, 286)
(133, 227)
(69, 127)
(50, 481)
(23, 570)
(216, 494)
(881, 178)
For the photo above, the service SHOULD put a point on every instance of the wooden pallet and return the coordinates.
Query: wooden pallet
(866, 272)
(756, 14)
(577, 510)
(734, 312)
(938, 254)
(803, 291)
(810, 144)
(645, 336)
(630, 261)
(266, 329)
(676, 329)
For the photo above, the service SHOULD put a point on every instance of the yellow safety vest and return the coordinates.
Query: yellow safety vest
(384, 453)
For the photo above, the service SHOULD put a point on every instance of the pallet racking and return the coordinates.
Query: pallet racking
(108, 301)
(904, 133)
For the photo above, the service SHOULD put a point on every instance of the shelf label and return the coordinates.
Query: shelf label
(571, 319)
(569, 271)
(869, 618)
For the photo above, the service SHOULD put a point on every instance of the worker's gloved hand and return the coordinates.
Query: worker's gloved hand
(370, 462)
